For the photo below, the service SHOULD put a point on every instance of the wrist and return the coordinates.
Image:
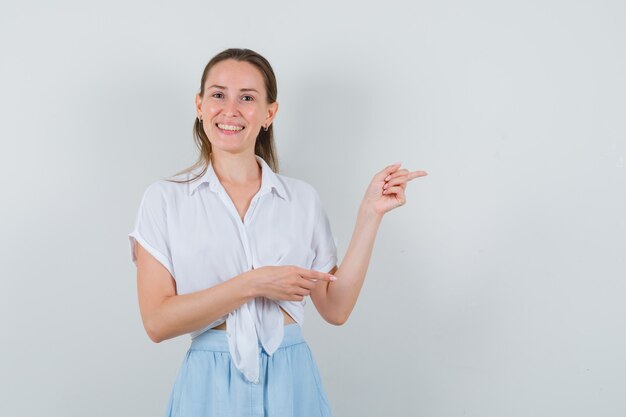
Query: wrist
(368, 213)
(250, 285)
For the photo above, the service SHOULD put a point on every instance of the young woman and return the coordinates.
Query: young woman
(228, 249)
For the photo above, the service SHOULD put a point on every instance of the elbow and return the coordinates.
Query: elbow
(154, 333)
(155, 338)
(337, 316)
(338, 320)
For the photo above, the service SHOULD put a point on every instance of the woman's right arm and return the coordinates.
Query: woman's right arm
(166, 315)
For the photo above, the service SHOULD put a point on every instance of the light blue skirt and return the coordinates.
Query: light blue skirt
(209, 385)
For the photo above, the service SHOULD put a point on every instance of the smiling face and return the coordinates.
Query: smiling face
(234, 106)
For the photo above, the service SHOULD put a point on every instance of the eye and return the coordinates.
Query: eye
(217, 95)
(248, 98)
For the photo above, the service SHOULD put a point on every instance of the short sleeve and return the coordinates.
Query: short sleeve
(151, 227)
(324, 242)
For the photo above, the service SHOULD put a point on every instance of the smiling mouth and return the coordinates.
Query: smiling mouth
(229, 128)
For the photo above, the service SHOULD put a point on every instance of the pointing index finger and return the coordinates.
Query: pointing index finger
(415, 174)
(315, 275)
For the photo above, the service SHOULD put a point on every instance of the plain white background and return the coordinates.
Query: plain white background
(497, 290)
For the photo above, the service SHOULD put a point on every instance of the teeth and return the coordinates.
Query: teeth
(229, 127)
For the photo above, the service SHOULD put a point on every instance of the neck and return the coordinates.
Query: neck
(236, 169)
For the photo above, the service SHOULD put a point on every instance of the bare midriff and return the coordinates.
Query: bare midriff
(288, 320)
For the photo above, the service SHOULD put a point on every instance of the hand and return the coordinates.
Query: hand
(288, 282)
(386, 191)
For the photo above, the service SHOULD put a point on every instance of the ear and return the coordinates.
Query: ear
(272, 109)
(198, 101)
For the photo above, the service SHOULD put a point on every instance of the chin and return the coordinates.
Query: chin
(226, 146)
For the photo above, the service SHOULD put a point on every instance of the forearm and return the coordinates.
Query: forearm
(180, 314)
(343, 293)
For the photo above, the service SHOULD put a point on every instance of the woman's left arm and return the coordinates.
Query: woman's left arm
(336, 299)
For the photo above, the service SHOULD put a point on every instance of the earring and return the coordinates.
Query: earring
(200, 120)
(265, 128)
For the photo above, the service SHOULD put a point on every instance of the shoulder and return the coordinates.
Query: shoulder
(298, 189)
(166, 191)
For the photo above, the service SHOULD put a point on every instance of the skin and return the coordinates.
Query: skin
(386, 191)
(166, 314)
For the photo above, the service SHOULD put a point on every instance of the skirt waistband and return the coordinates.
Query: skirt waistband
(217, 340)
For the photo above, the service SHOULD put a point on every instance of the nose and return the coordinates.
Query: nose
(231, 107)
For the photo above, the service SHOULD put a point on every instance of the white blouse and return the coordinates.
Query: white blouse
(194, 230)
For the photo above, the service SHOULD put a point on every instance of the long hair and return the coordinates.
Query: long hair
(264, 145)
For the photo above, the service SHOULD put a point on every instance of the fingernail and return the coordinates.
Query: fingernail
(333, 278)
(388, 178)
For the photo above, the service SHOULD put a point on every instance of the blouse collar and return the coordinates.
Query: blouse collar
(269, 180)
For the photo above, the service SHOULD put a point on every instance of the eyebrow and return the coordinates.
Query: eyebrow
(225, 88)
